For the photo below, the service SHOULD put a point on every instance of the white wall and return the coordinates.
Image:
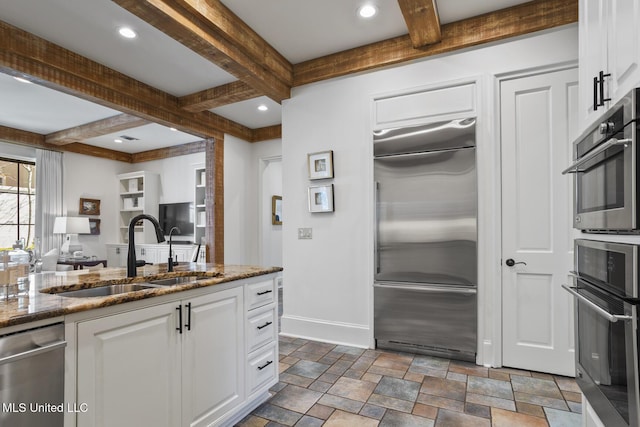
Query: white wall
(328, 280)
(93, 178)
(242, 203)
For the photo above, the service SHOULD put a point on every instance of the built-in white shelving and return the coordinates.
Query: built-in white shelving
(138, 194)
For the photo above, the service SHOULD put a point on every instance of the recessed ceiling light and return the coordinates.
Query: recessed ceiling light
(367, 11)
(117, 141)
(262, 107)
(127, 33)
(173, 129)
(22, 79)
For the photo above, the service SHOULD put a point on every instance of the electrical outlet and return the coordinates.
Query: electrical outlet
(305, 233)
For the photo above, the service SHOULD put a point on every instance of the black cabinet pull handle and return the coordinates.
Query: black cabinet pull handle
(179, 328)
(602, 98)
(595, 94)
(265, 292)
(265, 325)
(188, 324)
(260, 368)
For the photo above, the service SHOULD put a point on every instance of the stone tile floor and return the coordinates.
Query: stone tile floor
(333, 385)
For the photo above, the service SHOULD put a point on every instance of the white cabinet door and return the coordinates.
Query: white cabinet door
(593, 56)
(129, 369)
(117, 255)
(213, 375)
(624, 46)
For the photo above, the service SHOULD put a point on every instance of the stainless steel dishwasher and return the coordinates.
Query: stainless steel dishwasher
(32, 377)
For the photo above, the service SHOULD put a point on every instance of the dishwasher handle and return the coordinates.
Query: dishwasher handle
(33, 352)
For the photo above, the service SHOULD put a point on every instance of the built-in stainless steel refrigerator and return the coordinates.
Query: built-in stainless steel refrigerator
(425, 290)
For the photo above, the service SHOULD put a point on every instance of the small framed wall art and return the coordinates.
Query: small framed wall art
(320, 165)
(94, 226)
(89, 207)
(321, 198)
(276, 210)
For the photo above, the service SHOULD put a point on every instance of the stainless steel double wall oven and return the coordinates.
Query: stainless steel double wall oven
(606, 196)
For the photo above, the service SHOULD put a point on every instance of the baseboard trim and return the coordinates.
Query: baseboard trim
(330, 332)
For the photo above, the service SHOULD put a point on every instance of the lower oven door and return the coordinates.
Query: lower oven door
(607, 354)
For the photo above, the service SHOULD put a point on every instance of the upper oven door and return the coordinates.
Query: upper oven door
(605, 172)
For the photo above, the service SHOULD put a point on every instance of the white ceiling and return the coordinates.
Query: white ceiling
(298, 29)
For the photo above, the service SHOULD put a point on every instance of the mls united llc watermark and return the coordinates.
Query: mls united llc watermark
(23, 407)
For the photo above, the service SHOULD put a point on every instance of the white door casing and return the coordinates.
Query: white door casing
(538, 114)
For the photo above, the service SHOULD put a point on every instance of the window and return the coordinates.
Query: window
(17, 202)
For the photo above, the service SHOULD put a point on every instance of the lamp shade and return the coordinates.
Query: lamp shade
(71, 225)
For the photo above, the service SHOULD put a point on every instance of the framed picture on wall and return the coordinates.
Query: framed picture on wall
(276, 210)
(94, 226)
(320, 165)
(89, 207)
(321, 198)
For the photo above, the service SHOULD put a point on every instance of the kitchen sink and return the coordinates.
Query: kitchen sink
(103, 291)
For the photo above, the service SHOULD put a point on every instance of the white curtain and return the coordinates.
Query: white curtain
(48, 197)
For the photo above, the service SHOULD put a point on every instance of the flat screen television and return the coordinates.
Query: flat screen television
(179, 215)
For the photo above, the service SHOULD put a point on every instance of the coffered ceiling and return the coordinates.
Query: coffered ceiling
(203, 67)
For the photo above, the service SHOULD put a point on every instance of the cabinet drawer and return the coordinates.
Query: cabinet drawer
(261, 293)
(262, 328)
(262, 366)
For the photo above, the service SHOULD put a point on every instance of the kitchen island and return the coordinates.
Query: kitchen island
(200, 352)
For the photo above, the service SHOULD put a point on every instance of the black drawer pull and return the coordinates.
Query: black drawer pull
(260, 368)
(179, 328)
(265, 292)
(265, 325)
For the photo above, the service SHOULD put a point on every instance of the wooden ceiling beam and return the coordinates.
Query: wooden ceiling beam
(514, 21)
(55, 67)
(210, 29)
(98, 128)
(218, 96)
(267, 133)
(423, 22)
(173, 151)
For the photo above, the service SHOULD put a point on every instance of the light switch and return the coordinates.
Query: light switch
(305, 233)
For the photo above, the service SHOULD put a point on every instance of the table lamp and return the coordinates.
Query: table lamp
(71, 226)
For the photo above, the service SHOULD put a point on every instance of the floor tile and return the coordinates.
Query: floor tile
(397, 373)
(443, 387)
(494, 402)
(342, 403)
(548, 402)
(296, 398)
(352, 389)
(344, 419)
(575, 407)
(398, 388)
(373, 411)
(477, 410)
(426, 411)
(490, 387)
(277, 414)
(307, 421)
(468, 368)
(372, 378)
(572, 396)
(441, 402)
(253, 421)
(340, 367)
(394, 361)
(390, 403)
(349, 350)
(563, 418)
(395, 419)
(320, 386)
(539, 387)
(528, 408)
(502, 418)
(320, 411)
(308, 369)
(456, 419)
(429, 362)
(457, 377)
(288, 378)
(567, 384)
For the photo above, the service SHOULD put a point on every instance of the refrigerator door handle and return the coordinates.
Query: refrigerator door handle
(376, 220)
(471, 290)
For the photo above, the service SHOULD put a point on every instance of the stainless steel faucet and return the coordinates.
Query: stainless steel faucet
(170, 260)
(131, 256)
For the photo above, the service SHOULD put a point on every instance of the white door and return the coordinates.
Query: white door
(537, 117)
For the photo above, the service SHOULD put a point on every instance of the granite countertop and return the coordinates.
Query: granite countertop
(38, 305)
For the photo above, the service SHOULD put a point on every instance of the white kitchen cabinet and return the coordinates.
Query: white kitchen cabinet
(178, 363)
(116, 350)
(200, 222)
(609, 54)
(155, 254)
